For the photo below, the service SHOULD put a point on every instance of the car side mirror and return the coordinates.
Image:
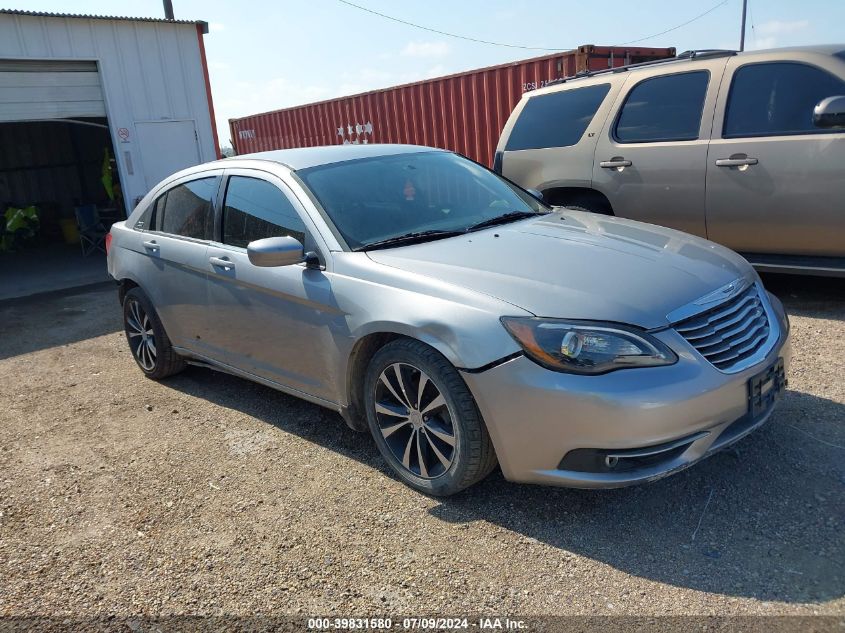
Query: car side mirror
(275, 251)
(830, 113)
(536, 194)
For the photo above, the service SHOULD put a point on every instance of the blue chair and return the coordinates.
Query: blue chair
(92, 232)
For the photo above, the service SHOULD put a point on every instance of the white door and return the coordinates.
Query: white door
(49, 90)
(166, 147)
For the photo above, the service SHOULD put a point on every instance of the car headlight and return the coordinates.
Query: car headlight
(584, 347)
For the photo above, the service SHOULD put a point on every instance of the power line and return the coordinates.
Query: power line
(529, 48)
(460, 37)
(674, 28)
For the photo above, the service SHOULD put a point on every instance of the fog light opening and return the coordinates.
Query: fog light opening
(610, 461)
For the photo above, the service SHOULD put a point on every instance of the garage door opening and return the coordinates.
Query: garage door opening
(59, 190)
(57, 175)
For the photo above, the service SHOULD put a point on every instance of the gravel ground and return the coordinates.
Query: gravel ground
(208, 494)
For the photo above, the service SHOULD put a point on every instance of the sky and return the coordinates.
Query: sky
(265, 55)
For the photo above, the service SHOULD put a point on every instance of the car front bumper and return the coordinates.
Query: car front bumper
(657, 420)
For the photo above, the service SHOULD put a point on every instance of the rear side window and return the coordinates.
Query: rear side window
(663, 109)
(256, 209)
(777, 98)
(147, 221)
(557, 119)
(187, 209)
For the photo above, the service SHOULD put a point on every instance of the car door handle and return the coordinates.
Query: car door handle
(151, 246)
(222, 262)
(615, 163)
(735, 162)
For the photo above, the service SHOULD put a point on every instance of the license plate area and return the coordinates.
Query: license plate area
(765, 388)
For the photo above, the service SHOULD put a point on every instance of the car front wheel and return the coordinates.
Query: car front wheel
(424, 419)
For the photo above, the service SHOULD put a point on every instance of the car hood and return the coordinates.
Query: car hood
(578, 265)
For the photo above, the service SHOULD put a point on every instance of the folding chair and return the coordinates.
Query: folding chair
(92, 233)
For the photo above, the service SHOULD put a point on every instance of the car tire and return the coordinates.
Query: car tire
(148, 342)
(433, 437)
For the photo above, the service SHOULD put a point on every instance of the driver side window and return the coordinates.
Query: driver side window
(255, 209)
(777, 99)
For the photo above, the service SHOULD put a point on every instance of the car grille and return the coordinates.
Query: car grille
(729, 333)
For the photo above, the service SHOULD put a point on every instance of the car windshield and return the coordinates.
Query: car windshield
(389, 200)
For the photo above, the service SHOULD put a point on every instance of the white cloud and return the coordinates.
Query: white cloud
(764, 42)
(216, 27)
(425, 49)
(768, 34)
(779, 27)
(435, 71)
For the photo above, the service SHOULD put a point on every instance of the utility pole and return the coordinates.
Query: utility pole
(168, 10)
(742, 32)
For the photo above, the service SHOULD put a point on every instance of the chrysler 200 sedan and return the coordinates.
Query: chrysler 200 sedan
(455, 316)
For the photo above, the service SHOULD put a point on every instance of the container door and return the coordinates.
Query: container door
(775, 182)
(166, 147)
(651, 157)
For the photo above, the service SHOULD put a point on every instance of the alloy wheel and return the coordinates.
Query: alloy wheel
(139, 330)
(415, 421)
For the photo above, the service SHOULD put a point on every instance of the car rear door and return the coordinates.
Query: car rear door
(775, 182)
(275, 323)
(651, 156)
(174, 242)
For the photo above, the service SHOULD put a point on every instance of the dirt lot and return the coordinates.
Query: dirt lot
(209, 494)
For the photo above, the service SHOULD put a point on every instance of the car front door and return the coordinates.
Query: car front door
(775, 182)
(174, 240)
(271, 322)
(651, 157)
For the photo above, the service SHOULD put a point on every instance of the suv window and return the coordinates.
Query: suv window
(557, 119)
(256, 209)
(777, 98)
(187, 209)
(663, 109)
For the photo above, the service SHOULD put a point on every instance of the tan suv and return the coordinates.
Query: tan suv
(746, 149)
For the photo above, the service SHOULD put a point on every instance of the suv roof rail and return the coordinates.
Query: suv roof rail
(697, 54)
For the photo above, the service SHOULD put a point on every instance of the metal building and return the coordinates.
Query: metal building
(95, 110)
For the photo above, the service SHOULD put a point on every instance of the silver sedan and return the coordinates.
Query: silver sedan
(453, 315)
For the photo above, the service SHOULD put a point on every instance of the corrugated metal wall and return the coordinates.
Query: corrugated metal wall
(464, 112)
(150, 71)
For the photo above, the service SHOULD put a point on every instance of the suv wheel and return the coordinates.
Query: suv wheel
(424, 419)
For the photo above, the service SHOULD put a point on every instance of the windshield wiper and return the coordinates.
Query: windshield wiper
(408, 238)
(502, 219)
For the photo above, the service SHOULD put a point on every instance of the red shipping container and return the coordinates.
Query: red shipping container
(464, 112)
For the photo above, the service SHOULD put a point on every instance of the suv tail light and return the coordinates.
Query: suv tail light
(108, 242)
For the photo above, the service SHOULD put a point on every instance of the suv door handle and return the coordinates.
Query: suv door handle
(222, 262)
(151, 246)
(614, 163)
(735, 162)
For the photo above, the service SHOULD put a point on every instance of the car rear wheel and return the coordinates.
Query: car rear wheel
(424, 419)
(147, 339)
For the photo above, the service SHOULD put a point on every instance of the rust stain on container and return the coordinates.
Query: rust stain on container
(464, 112)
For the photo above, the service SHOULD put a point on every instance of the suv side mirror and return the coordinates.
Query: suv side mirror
(275, 251)
(536, 194)
(830, 113)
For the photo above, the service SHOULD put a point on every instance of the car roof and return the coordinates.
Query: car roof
(305, 157)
